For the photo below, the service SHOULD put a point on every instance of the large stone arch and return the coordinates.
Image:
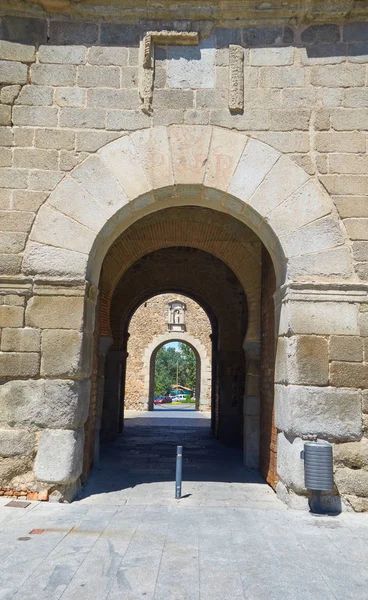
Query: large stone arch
(203, 366)
(318, 296)
(144, 171)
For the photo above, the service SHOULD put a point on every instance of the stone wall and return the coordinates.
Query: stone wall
(148, 324)
(295, 171)
(305, 93)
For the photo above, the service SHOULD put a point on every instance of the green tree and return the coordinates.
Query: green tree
(188, 371)
(172, 363)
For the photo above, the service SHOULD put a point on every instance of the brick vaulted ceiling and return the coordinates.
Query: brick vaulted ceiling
(212, 232)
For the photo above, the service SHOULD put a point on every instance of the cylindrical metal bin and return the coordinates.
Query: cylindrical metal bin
(318, 466)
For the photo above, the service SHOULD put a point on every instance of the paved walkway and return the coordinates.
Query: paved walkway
(139, 468)
(138, 543)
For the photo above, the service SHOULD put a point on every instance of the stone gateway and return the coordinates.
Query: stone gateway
(216, 154)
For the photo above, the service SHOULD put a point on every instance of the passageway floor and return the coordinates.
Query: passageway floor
(139, 467)
(228, 538)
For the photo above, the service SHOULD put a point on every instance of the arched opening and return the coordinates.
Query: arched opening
(238, 204)
(153, 324)
(175, 377)
(218, 263)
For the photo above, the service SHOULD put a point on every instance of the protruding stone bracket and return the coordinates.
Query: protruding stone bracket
(147, 59)
(236, 79)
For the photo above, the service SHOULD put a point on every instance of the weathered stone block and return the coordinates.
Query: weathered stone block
(54, 228)
(297, 98)
(90, 141)
(44, 180)
(363, 324)
(74, 97)
(177, 98)
(254, 164)
(352, 481)
(340, 142)
(54, 312)
(17, 52)
(60, 456)
(25, 30)
(119, 35)
(69, 55)
(324, 318)
(288, 120)
(348, 163)
(108, 56)
(10, 264)
(12, 221)
(360, 251)
(12, 242)
(14, 467)
(12, 72)
(290, 466)
(346, 348)
(319, 235)
(347, 119)
(191, 66)
(353, 455)
(63, 354)
(19, 364)
(53, 262)
(356, 32)
(262, 36)
(326, 412)
(40, 116)
(6, 136)
(16, 442)
(54, 139)
(338, 75)
(92, 118)
(349, 374)
(357, 228)
(282, 77)
(40, 403)
(260, 57)
(11, 316)
(20, 340)
(356, 98)
(73, 32)
(9, 93)
(5, 115)
(320, 34)
(35, 95)
(107, 98)
(108, 77)
(53, 74)
(5, 158)
(328, 263)
(302, 360)
(32, 158)
(12, 178)
(127, 120)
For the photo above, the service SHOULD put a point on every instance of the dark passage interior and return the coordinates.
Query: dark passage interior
(221, 264)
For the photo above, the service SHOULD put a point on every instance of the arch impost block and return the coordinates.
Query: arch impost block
(322, 292)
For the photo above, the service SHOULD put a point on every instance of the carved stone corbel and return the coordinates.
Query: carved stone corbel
(236, 79)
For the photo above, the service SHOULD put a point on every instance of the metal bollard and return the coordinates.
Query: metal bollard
(179, 470)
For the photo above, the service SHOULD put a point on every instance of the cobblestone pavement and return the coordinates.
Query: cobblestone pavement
(227, 538)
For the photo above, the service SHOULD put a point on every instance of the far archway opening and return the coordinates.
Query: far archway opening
(175, 378)
(169, 353)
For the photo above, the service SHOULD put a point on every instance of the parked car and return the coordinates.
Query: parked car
(181, 397)
(162, 400)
